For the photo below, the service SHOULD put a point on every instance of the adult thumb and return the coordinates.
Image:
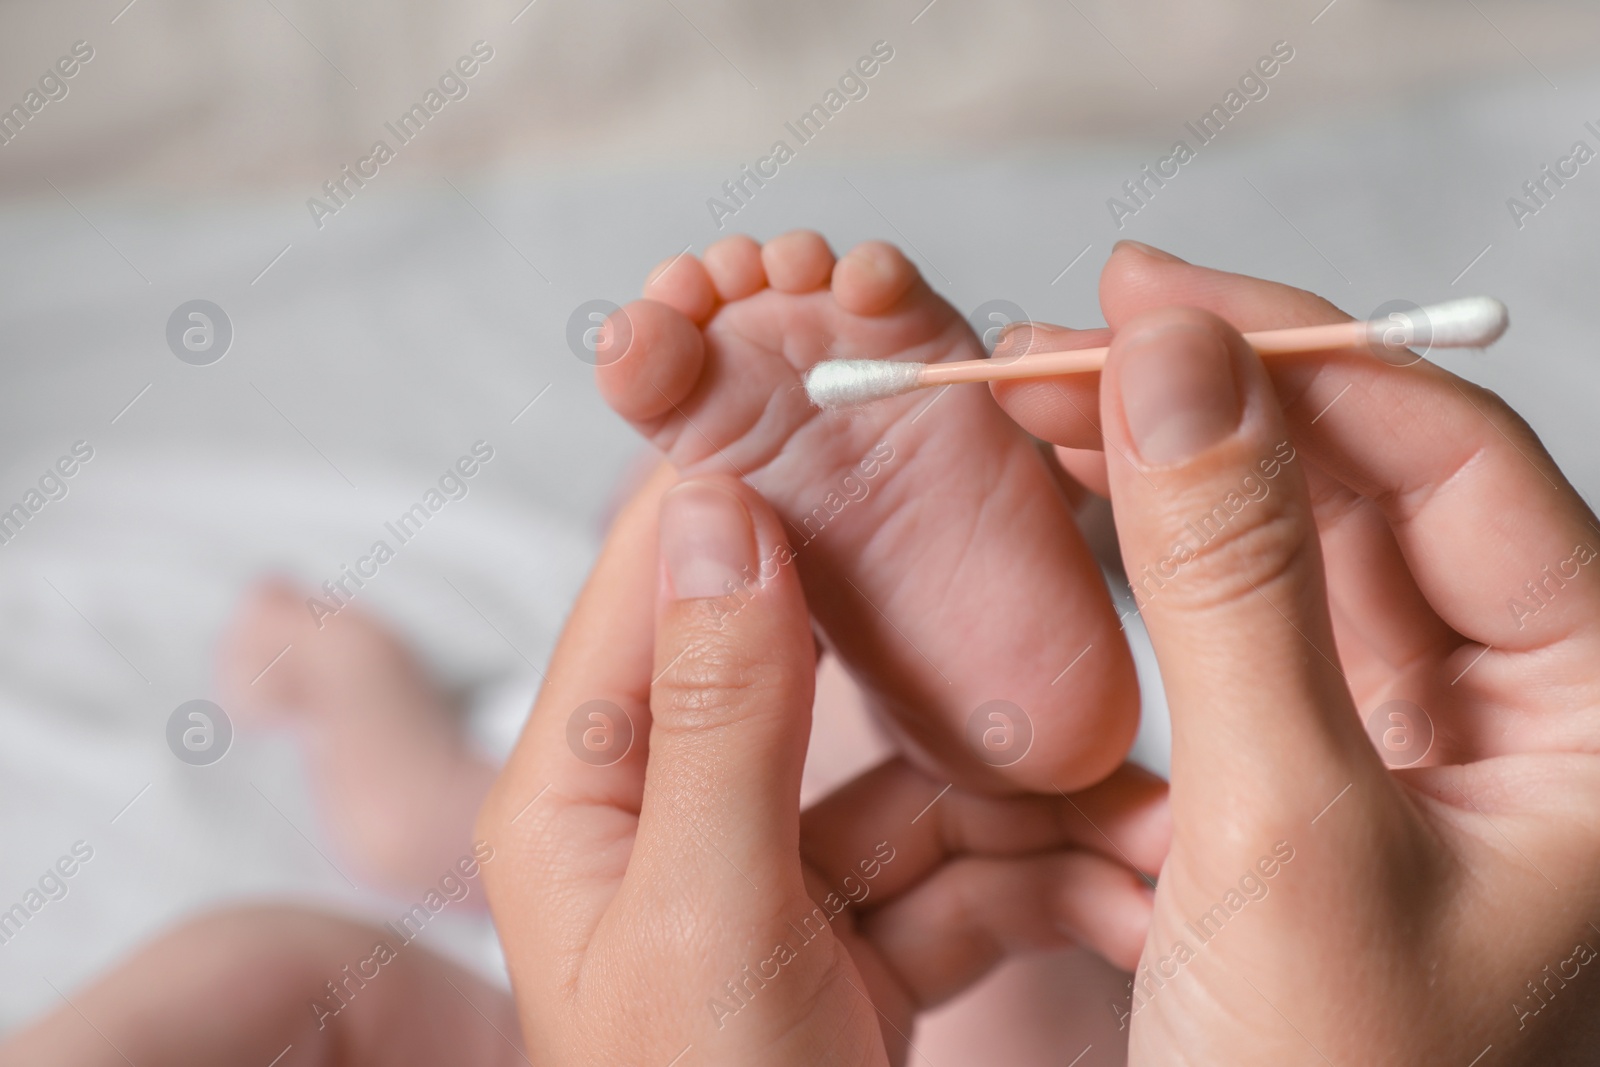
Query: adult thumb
(731, 698)
(1221, 551)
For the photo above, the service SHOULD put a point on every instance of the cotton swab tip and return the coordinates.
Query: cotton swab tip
(842, 383)
(1471, 322)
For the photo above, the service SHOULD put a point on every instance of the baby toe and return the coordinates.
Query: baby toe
(662, 353)
(734, 264)
(682, 283)
(873, 278)
(271, 618)
(799, 261)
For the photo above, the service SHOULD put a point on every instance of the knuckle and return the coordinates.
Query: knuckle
(1481, 442)
(1503, 419)
(962, 898)
(714, 682)
(1487, 401)
(497, 810)
(1250, 552)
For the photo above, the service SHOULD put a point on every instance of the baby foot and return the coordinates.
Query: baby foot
(935, 548)
(392, 771)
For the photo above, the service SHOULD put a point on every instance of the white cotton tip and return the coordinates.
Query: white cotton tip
(843, 383)
(1472, 322)
(1475, 322)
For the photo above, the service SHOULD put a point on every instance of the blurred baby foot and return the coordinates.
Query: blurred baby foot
(394, 776)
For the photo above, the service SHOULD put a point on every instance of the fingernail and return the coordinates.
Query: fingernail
(707, 540)
(1020, 338)
(1152, 251)
(1178, 390)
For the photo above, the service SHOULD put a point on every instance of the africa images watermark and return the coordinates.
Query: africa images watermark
(454, 887)
(52, 86)
(740, 990)
(1206, 528)
(1547, 985)
(454, 484)
(1252, 888)
(1542, 188)
(1252, 86)
(1542, 592)
(853, 488)
(453, 85)
(199, 732)
(852, 85)
(52, 487)
(51, 886)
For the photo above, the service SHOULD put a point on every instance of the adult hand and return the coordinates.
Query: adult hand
(661, 901)
(1303, 558)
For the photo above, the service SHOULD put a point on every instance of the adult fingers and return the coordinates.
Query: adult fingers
(1086, 466)
(579, 743)
(1221, 549)
(730, 703)
(1064, 411)
(1362, 556)
(980, 910)
(1138, 278)
(1383, 621)
(564, 807)
(885, 831)
(1463, 482)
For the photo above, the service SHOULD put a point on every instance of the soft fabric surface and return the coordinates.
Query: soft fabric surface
(186, 93)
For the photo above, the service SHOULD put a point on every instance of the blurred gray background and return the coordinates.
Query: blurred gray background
(433, 308)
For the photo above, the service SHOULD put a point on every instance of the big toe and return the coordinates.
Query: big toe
(250, 672)
(662, 353)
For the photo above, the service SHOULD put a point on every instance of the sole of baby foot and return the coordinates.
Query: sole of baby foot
(935, 545)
